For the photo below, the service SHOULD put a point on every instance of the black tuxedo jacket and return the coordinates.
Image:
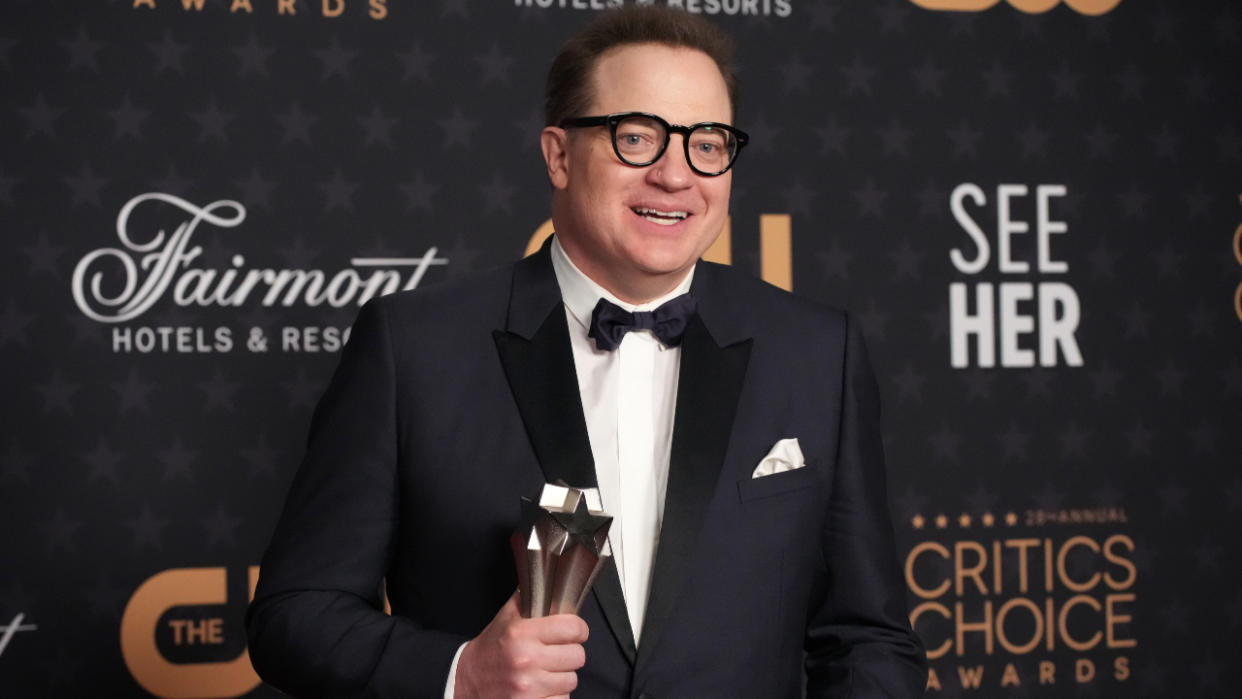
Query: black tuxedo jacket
(450, 403)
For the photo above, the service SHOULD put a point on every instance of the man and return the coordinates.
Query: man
(450, 403)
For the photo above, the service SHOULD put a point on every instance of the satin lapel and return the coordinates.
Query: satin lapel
(708, 389)
(539, 364)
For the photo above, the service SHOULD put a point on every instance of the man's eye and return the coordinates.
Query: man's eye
(631, 139)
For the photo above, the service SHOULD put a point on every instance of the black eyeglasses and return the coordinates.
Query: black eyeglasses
(639, 139)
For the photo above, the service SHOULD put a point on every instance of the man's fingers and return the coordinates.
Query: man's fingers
(563, 658)
(561, 628)
(558, 684)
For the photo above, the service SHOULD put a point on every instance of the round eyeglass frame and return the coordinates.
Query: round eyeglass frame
(613, 120)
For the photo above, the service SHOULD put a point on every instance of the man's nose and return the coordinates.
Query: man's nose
(672, 171)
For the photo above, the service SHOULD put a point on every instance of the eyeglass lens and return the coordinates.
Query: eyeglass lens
(639, 140)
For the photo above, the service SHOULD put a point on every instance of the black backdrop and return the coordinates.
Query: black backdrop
(1066, 511)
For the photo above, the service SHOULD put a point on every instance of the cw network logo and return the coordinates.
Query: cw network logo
(7, 632)
(1033, 7)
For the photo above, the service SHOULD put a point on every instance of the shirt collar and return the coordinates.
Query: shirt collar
(581, 293)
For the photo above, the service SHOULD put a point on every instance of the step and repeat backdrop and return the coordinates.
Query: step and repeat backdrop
(1033, 207)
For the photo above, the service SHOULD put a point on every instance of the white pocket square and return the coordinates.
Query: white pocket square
(785, 455)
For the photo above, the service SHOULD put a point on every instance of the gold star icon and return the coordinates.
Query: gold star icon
(988, 519)
(941, 521)
(1011, 518)
(917, 521)
(964, 521)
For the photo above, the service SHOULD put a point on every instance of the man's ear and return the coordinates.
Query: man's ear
(555, 143)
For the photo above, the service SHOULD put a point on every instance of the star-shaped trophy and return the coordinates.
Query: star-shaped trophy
(559, 547)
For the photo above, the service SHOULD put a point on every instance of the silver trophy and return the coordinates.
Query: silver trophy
(559, 547)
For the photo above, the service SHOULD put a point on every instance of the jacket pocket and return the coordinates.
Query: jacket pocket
(777, 483)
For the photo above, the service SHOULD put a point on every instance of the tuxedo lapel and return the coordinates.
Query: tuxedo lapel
(539, 365)
(708, 389)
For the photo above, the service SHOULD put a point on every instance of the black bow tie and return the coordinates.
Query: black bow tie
(610, 322)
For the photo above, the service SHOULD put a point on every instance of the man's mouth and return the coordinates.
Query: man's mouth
(663, 218)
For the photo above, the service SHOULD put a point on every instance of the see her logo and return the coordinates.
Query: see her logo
(1034, 7)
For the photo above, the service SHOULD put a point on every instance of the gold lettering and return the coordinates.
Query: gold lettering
(286, 7)
(333, 10)
(1120, 560)
(1121, 668)
(378, 9)
(916, 588)
(1047, 672)
(175, 588)
(1022, 545)
(1032, 7)
(961, 572)
(1112, 619)
(142, 3)
(940, 650)
(1063, 624)
(1003, 638)
(1010, 677)
(241, 5)
(196, 4)
(776, 250)
(964, 626)
(970, 677)
(1084, 670)
(933, 680)
(721, 251)
(1063, 573)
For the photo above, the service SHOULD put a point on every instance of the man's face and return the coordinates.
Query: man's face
(637, 230)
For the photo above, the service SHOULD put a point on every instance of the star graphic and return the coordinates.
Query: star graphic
(84, 186)
(212, 122)
(997, 79)
(1173, 497)
(835, 260)
(493, 65)
(1065, 82)
(1104, 380)
(13, 325)
(1139, 438)
(824, 15)
(874, 322)
(1163, 24)
(127, 120)
(988, 519)
(219, 392)
(965, 140)
(252, 57)
(528, 128)
(498, 194)
(1197, 202)
(377, 127)
(295, 125)
(942, 522)
(302, 392)
(338, 192)
(173, 183)
(1132, 80)
(1011, 519)
(221, 527)
(335, 60)
(261, 459)
(905, 260)
(911, 502)
(1198, 85)
(457, 128)
(1101, 141)
(870, 199)
(106, 599)
(40, 117)
(177, 460)
(1038, 383)
(928, 77)
(133, 393)
(168, 53)
(297, 255)
(258, 191)
(82, 51)
(416, 63)
(918, 522)
(858, 76)
(832, 136)
(764, 133)
(15, 464)
(979, 383)
(147, 529)
(893, 16)
(798, 198)
(1073, 441)
(1168, 261)
(1034, 141)
(1166, 143)
(944, 442)
(1049, 498)
(909, 382)
(1171, 379)
(895, 137)
(58, 532)
(796, 74)
(58, 393)
(419, 193)
(7, 183)
(1015, 443)
(1203, 438)
(1133, 202)
(1103, 259)
(102, 460)
(86, 330)
(964, 521)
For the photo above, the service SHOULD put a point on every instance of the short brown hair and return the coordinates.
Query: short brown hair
(569, 90)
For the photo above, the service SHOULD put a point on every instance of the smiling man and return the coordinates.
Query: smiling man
(730, 428)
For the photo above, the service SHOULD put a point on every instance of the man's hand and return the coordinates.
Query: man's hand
(521, 658)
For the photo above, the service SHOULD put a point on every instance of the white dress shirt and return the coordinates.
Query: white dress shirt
(628, 398)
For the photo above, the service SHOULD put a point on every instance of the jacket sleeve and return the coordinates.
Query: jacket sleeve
(317, 627)
(859, 642)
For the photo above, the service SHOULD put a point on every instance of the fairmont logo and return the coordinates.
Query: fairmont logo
(7, 632)
(118, 284)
